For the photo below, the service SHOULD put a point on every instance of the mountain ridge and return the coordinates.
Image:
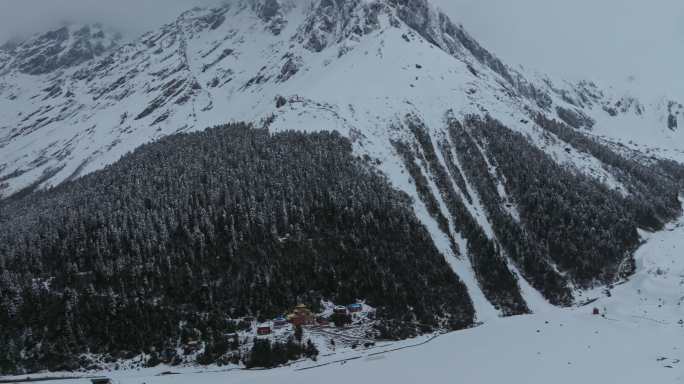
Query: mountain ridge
(413, 92)
(68, 46)
(313, 35)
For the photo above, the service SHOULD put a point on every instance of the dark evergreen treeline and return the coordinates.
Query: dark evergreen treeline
(571, 227)
(182, 236)
(497, 282)
(525, 251)
(585, 228)
(265, 354)
(671, 169)
(654, 190)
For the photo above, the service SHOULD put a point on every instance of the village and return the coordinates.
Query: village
(333, 329)
(341, 325)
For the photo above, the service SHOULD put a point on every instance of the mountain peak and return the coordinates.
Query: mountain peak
(233, 62)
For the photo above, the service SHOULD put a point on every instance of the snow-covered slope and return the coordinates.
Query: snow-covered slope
(366, 68)
(636, 339)
(359, 67)
(65, 47)
(646, 123)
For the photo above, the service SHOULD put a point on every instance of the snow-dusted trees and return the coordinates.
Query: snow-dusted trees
(577, 222)
(512, 237)
(653, 190)
(216, 225)
(555, 224)
(497, 282)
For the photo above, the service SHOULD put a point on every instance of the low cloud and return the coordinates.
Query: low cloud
(607, 40)
(19, 18)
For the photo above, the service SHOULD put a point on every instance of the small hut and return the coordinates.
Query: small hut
(301, 315)
(340, 310)
(264, 330)
(355, 308)
(192, 346)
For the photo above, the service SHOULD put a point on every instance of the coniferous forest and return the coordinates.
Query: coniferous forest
(568, 228)
(573, 221)
(183, 236)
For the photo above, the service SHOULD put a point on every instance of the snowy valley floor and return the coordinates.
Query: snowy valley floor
(640, 340)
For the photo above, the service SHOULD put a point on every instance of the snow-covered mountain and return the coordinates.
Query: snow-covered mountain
(381, 72)
(360, 66)
(66, 47)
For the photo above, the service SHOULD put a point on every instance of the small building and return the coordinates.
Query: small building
(264, 330)
(301, 315)
(279, 322)
(192, 346)
(596, 311)
(355, 308)
(340, 310)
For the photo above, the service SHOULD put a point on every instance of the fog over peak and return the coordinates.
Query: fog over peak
(610, 41)
(21, 18)
(630, 43)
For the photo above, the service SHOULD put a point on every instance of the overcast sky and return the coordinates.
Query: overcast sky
(21, 17)
(607, 40)
(599, 39)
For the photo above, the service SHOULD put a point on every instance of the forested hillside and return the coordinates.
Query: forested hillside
(458, 190)
(183, 236)
(558, 226)
(584, 228)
